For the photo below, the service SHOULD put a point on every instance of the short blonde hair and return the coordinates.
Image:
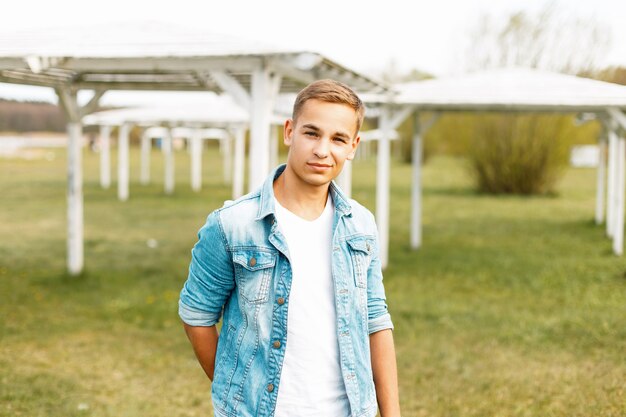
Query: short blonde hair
(330, 91)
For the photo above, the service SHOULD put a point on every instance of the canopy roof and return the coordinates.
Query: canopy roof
(172, 115)
(155, 56)
(510, 89)
(212, 110)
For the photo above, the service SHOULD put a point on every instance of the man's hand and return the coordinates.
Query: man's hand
(204, 342)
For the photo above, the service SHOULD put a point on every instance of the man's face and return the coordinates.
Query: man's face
(320, 140)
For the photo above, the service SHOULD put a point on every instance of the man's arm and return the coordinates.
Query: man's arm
(385, 372)
(209, 285)
(204, 342)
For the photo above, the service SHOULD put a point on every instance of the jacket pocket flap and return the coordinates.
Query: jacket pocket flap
(254, 260)
(361, 244)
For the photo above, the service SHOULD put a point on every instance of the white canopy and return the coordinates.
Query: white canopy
(158, 57)
(155, 56)
(213, 110)
(186, 117)
(519, 89)
(510, 89)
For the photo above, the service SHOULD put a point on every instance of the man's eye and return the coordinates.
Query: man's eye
(342, 140)
(310, 133)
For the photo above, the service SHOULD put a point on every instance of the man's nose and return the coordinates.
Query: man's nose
(322, 148)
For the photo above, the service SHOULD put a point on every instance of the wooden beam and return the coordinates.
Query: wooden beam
(231, 86)
(617, 115)
(289, 71)
(8, 63)
(67, 100)
(376, 134)
(151, 86)
(166, 64)
(424, 127)
(92, 105)
(400, 116)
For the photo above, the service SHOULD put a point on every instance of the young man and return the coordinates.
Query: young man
(294, 268)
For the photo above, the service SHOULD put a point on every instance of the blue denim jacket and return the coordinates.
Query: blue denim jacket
(240, 267)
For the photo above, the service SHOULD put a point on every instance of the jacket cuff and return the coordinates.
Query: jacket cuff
(380, 323)
(194, 317)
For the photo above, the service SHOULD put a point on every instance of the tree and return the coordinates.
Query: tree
(550, 39)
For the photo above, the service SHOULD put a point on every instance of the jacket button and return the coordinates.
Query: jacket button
(252, 262)
(368, 247)
(270, 387)
(280, 301)
(276, 344)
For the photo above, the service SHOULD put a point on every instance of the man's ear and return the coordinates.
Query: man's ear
(288, 132)
(355, 143)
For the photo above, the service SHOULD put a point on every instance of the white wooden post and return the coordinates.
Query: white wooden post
(228, 159)
(195, 149)
(220, 143)
(600, 181)
(238, 166)
(146, 148)
(75, 257)
(123, 166)
(382, 186)
(610, 202)
(618, 231)
(74, 113)
(105, 156)
(273, 147)
(168, 156)
(344, 179)
(416, 184)
(263, 90)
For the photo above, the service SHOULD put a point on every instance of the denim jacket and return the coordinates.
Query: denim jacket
(240, 267)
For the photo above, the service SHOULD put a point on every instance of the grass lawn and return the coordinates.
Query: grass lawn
(513, 307)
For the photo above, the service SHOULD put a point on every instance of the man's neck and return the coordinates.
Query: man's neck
(304, 200)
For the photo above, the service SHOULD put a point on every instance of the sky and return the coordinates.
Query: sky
(365, 35)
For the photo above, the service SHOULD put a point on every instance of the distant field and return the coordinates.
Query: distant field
(513, 307)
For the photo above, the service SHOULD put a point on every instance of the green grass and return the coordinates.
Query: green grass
(513, 307)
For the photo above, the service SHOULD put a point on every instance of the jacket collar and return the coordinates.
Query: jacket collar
(266, 204)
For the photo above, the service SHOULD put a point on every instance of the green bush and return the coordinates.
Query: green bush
(519, 154)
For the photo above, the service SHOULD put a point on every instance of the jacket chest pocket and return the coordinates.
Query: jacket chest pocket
(253, 273)
(361, 256)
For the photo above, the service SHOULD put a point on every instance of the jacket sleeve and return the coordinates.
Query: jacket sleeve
(378, 317)
(211, 277)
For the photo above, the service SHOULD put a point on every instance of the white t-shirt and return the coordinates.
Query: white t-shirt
(311, 383)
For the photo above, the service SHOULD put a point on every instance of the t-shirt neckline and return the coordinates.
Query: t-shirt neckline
(327, 209)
